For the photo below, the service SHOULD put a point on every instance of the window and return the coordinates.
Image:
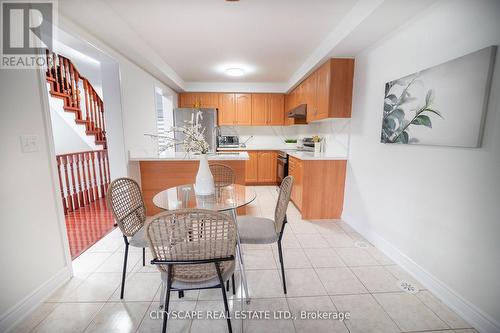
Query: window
(164, 119)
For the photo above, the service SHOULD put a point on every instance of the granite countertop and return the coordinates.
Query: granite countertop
(180, 156)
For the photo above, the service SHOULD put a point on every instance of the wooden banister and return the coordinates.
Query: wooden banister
(79, 182)
(64, 79)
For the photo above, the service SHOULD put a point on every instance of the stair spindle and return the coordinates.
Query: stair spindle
(75, 192)
(68, 187)
(86, 198)
(59, 171)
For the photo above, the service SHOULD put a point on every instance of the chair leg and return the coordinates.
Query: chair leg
(162, 294)
(124, 266)
(167, 299)
(226, 307)
(280, 252)
(143, 256)
(234, 285)
(227, 285)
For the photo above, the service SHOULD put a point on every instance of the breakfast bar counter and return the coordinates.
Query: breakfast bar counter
(161, 171)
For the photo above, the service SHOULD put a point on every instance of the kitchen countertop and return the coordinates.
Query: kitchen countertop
(300, 154)
(179, 156)
(310, 156)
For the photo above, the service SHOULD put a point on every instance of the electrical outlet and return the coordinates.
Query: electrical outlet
(29, 143)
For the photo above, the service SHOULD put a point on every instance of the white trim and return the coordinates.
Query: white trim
(27, 305)
(51, 152)
(468, 311)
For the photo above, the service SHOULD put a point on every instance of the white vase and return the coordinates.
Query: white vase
(204, 179)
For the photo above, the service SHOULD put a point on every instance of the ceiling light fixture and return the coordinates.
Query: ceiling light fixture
(235, 71)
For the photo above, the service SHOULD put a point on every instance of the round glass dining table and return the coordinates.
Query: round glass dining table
(226, 199)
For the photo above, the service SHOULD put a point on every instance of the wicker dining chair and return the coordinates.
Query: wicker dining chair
(260, 230)
(223, 174)
(124, 197)
(193, 249)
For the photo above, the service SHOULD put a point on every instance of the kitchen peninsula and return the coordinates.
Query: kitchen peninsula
(161, 171)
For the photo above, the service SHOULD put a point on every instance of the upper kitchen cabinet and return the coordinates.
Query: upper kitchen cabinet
(227, 110)
(334, 89)
(276, 109)
(235, 109)
(199, 100)
(268, 109)
(327, 91)
(259, 109)
(243, 109)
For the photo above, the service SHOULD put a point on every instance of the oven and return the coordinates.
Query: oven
(282, 171)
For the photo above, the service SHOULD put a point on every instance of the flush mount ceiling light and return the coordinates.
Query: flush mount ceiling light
(235, 71)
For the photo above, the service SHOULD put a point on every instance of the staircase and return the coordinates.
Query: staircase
(66, 83)
(83, 176)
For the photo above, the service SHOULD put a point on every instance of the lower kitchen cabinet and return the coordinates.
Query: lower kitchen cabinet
(268, 163)
(261, 167)
(251, 167)
(318, 188)
(295, 170)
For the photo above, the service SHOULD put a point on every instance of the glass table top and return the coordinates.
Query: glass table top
(225, 198)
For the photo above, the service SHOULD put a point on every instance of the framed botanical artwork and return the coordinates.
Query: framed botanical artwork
(444, 105)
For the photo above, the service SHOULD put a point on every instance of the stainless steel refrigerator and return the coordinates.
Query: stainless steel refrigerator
(208, 122)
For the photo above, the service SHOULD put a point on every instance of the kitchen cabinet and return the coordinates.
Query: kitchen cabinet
(251, 167)
(235, 109)
(227, 110)
(276, 109)
(259, 109)
(243, 109)
(295, 169)
(320, 195)
(198, 100)
(268, 109)
(327, 91)
(267, 165)
(261, 167)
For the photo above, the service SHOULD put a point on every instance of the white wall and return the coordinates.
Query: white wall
(437, 206)
(334, 131)
(33, 256)
(113, 120)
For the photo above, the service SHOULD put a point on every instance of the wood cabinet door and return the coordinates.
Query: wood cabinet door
(267, 167)
(259, 109)
(292, 171)
(227, 110)
(276, 109)
(300, 184)
(243, 109)
(251, 167)
(323, 91)
(188, 100)
(209, 100)
(310, 96)
(295, 169)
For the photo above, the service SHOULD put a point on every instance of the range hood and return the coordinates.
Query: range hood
(299, 112)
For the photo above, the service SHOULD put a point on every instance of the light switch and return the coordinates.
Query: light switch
(29, 143)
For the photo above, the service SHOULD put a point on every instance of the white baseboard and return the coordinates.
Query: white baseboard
(468, 311)
(11, 318)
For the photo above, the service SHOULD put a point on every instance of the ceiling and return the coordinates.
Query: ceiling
(276, 42)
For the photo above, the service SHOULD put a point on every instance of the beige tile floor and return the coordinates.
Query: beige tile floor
(325, 271)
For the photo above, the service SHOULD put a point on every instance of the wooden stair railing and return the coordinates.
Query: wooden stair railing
(67, 84)
(83, 178)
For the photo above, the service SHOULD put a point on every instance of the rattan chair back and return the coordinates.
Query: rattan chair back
(223, 174)
(192, 234)
(124, 197)
(282, 203)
